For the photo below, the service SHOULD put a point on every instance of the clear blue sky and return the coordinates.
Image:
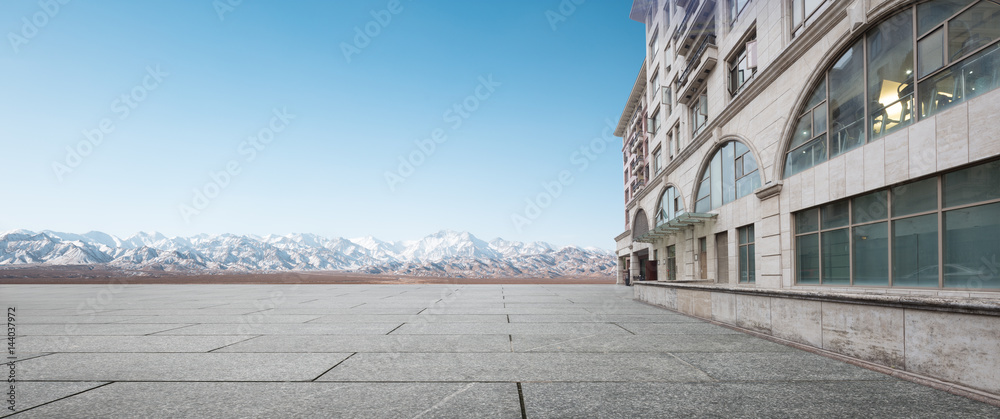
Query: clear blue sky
(219, 82)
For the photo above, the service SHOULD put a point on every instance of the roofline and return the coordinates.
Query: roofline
(633, 100)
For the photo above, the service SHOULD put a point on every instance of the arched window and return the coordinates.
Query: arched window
(871, 89)
(641, 225)
(671, 205)
(731, 174)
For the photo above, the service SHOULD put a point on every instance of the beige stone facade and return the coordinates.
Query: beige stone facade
(923, 133)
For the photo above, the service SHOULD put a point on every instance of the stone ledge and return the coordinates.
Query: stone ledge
(980, 306)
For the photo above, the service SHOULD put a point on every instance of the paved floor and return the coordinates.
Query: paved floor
(352, 351)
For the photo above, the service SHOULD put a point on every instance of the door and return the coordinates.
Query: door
(703, 257)
(722, 257)
(651, 270)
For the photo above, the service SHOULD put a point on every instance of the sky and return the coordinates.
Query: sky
(395, 119)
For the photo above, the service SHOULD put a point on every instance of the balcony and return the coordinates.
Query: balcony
(699, 66)
(696, 26)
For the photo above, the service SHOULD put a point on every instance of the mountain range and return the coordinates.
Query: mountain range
(445, 253)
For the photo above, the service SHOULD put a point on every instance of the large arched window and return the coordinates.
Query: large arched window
(732, 173)
(871, 89)
(641, 224)
(671, 205)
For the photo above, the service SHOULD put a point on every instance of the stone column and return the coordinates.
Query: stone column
(634, 264)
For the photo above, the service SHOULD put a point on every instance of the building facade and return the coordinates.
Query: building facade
(825, 173)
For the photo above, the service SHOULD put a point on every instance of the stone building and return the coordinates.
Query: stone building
(826, 173)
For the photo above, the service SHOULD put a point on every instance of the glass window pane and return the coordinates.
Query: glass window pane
(847, 101)
(915, 197)
(703, 188)
(818, 94)
(932, 13)
(836, 257)
(871, 254)
(930, 53)
(728, 174)
(807, 259)
(890, 73)
(981, 72)
(870, 207)
(747, 184)
(974, 28)
(716, 167)
(940, 92)
(915, 252)
(743, 235)
(819, 119)
(972, 247)
(971, 77)
(803, 132)
(811, 6)
(741, 149)
(703, 205)
(836, 214)
(806, 156)
(975, 184)
(749, 163)
(744, 269)
(806, 221)
(752, 274)
(796, 12)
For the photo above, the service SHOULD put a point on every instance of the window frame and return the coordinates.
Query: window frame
(695, 108)
(748, 243)
(733, 64)
(940, 210)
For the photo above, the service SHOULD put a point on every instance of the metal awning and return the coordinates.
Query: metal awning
(679, 224)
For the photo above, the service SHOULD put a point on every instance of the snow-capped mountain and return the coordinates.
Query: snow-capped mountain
(445, 253)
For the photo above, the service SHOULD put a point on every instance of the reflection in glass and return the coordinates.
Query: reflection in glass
(973, 28)
(803, 132)
(806, 156)
(871, 254)
(932, 13)
(971, 77)
(914, 197)
(806, 221)
(972, 247)
(915, 252)
(930, 52)
(847, 101)
(807, 259)
(836, 257)
(835, 214)
(871, 207)
(728, 177)
(890, 73)
(975, 184)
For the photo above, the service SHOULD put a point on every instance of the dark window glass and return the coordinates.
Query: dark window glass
(836, 257)
(870, 207)
(915, 251)
(836, 214)
(806, 221)
(847, 100)
(911, 198)
(973, 28)
(972, 247)
(807, 259)
(871, 254)
(806, 156)
(932, 13)
(975, 184)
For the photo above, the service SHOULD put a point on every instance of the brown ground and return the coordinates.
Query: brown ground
(98, 275)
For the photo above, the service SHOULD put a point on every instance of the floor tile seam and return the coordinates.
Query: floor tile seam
(62, 398)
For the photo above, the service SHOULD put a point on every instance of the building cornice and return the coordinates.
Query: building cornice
(633, 100)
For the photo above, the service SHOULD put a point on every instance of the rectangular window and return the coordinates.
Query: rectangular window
(654, 46)
(657, 165)
(740, 70)
(654, 122)
(748, 270)
(654, 86)
(942, 231)
(735, 7)
(699, 113)
(802, 10)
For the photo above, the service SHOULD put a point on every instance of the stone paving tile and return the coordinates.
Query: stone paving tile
(374, 343)
(154, 343)
(511, 367)
(212, 366)
(509, 329)
(78, 319)
(30, 394)
(72, 329)
(700, 328)
(419, 318)
(843, 399)
(244, 329)
(260, 317)
(289, 400)
(784, 366)
(542, 309)
(601, 318)
(737, 343)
